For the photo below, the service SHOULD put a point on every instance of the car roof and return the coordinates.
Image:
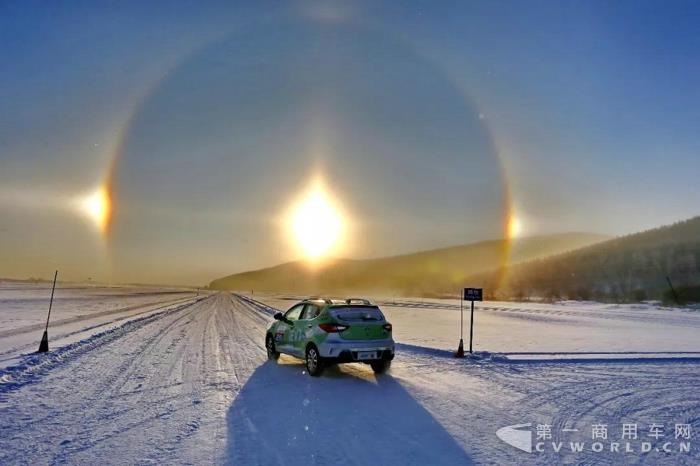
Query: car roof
(341, 302)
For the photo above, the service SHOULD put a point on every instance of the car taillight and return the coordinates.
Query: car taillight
(333, 328)
(387, 327)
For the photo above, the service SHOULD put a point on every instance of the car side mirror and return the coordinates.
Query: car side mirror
(278, 316)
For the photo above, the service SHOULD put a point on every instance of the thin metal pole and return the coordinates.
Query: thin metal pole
(55, 275)
(471, 329)
(461, 316)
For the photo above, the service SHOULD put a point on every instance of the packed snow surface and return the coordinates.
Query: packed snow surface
(144, 376)
(78, 311)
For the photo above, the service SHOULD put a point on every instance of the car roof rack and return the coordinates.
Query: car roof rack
(363, 301)
(318, 298)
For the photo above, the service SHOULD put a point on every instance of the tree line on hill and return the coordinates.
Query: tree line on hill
(660, 264)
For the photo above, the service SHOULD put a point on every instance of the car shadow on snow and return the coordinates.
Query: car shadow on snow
(346, 416)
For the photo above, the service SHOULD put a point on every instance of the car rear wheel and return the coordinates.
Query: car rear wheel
(272, 352)
(314, 361)
(379, 367)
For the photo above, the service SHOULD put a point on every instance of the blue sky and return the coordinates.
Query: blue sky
(221, 111)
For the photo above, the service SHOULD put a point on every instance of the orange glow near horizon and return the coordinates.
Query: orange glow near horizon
(98, 207)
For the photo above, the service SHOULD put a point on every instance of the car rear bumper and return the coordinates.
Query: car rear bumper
(347, 351)
(351, 356)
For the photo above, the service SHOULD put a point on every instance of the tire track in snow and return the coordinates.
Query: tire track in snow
(59, 333)
(90, 316)
(155, 391)
(613, 394)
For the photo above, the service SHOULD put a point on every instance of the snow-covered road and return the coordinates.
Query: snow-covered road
(190, 384)
(156, 390)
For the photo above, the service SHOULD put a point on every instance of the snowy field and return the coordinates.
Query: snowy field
(78, 311)
(140, 377)
(567, 329)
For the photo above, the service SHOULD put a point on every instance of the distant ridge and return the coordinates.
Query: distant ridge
(629, 268)
(433, 272)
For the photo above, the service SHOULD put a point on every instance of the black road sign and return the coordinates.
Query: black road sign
(473, 294)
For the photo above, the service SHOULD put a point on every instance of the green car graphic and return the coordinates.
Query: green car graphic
(325, 331)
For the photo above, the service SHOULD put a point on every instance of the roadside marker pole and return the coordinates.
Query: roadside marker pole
(460, 349)
(44, 345)
(471, 329)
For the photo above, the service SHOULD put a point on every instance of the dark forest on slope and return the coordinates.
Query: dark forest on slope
(628, 268)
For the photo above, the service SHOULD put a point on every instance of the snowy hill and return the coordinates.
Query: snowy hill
(629, 268)
(434, 272)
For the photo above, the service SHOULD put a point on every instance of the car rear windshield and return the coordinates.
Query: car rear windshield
(357, 314)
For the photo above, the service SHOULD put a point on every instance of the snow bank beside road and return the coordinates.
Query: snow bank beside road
(32, 365)
(78, 313)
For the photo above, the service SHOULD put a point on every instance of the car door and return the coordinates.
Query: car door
(285, 333)
(304, 328)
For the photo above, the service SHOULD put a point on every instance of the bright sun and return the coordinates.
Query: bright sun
(514, 227)
(98, 207)
(316, 224)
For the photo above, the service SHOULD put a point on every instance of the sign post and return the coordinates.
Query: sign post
(468, 294)
(471, 329)
(44, 345)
